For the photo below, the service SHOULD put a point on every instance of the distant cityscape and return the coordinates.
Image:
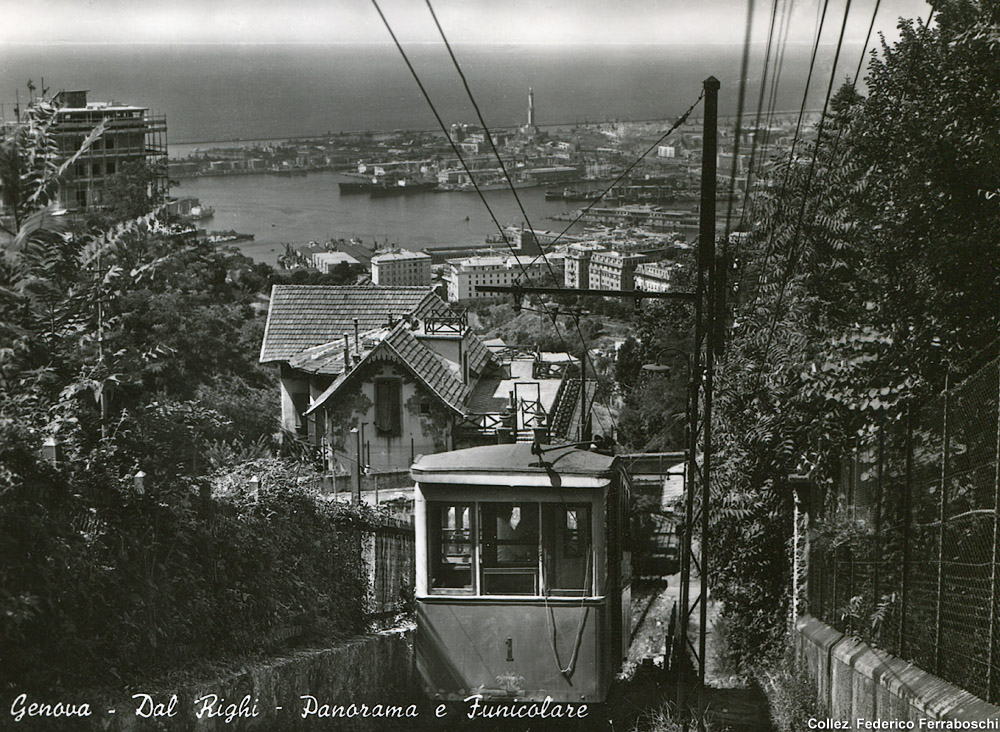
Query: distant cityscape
(632, 228)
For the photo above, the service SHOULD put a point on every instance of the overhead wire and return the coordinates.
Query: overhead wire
(857, 75)
(680, 121)
(794, 247)
(783, 28)
(757, 162)
(744, 63)
(454, 147)
(437, 117)
(760, 106)
(791, 155)
(517, 198)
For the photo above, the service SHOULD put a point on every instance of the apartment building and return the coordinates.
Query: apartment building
(654, 276)
(401, 268)
(577, 269)
(610, 270)
(465, 276)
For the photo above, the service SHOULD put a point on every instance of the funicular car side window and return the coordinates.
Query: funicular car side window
(566, 543)
(509, 548)
(450, 545)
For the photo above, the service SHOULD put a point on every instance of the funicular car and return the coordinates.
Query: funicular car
(522, 573)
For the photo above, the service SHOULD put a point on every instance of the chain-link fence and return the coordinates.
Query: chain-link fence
(903, 552)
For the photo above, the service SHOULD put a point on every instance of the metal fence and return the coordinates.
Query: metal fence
(390, 578)
(904, 550)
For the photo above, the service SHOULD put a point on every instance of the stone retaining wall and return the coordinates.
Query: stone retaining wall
(371, 670)
(855, 681)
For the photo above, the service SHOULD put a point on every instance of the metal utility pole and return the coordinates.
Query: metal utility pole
(702, 365)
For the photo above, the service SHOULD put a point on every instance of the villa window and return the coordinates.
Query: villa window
(300, 403)
(388, 407)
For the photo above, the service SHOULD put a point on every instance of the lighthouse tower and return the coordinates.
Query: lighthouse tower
(529, 131)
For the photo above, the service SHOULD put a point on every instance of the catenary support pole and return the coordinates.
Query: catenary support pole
(706, 270)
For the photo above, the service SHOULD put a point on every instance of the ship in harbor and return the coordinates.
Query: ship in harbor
(402, 187)
(355, 186)
(571, 194)
(380, 187)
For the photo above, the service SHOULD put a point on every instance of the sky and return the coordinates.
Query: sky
(508, 22)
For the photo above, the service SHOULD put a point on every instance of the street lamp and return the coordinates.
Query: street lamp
(357, 468)
(660, 368)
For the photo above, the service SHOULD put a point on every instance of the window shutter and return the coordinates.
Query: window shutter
(395, 407)
(387, 406)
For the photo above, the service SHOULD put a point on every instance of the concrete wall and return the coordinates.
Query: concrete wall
(856, 681)
(375, 669)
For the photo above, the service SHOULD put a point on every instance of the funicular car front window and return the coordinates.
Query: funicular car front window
(524, 548)
(509, 548)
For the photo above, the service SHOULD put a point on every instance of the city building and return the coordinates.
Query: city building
(325, 262)
(577, 270)
(610, 270)
(465, 276)
(401, 268)
(654, 276)
(131, 135)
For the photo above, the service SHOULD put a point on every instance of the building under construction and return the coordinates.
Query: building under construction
(132, 135)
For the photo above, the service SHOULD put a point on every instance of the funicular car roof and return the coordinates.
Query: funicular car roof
(490, 463)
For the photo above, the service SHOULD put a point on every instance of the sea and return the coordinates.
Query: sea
(299, 209)
(225, 94)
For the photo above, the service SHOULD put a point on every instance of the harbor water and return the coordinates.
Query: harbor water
(303, 208)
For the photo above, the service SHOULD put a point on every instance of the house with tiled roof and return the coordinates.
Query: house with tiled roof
(400, 367)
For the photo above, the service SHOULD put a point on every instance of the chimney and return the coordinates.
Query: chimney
(357, 337)
(347, 353)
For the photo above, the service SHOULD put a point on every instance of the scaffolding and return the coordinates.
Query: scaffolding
(132, 135)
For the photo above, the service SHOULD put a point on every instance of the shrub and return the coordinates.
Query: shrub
(100, 584)
(791, 694)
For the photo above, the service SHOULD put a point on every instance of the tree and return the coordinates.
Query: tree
(867, 278)
(133, 191)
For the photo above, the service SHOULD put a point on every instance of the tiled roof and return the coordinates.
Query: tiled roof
(328, 358)
(430, 368)
(485, 398)
(304, 316)
(479, 355)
